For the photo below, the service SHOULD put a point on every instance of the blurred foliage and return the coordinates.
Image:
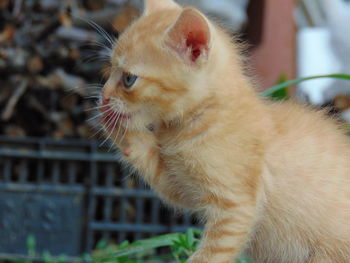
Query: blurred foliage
(180, 247)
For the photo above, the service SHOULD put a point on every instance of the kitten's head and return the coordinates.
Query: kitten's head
(160, 66)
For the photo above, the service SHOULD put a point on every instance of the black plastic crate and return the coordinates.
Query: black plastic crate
(70, 194)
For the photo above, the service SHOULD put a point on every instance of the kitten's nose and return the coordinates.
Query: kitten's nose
(105, 100)
(108, 91)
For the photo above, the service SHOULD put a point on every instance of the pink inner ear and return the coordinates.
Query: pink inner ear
(196, 41)
(191, 31)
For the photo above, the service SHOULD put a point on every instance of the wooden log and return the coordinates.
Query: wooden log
(61, 79)
(4, 4)
(11, 104)
(94, 5)
(7, 33)
(41, 45)
(14, 131)
(35, 65)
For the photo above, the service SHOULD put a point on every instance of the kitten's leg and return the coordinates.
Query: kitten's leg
(226, 232)
(140, 150)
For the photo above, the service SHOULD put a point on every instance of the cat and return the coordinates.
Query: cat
(270, 179)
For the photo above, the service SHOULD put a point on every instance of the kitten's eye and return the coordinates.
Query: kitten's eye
(129, 80)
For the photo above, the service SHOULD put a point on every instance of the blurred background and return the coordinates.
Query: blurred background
(61, 190)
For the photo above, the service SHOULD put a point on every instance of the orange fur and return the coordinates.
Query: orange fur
(271, 179)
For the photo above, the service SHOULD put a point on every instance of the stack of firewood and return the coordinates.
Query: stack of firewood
(50, 53)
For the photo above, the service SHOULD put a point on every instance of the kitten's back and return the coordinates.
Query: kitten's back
(307, 183)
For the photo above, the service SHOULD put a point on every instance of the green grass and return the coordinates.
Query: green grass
(180, 246)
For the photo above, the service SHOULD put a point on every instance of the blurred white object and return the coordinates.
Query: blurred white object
(338, 21)
(230, 13)
(315, 57)
(324, 49)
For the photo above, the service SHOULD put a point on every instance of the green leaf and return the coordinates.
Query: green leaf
(177, 244)
(47, 257)
(85, 258)
(281, 94)
(31, 245)
(102, 244)
(141, 246)
(182, 240)
(61, 259)
(190, 238)
(197, 232)
(281, 86)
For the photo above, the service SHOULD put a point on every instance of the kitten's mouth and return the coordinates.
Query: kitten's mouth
(110, 117)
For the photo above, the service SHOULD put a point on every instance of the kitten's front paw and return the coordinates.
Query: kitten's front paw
(137, 143)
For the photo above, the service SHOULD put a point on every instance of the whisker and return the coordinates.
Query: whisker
(126, 129)
(102, 32)
(105, 52)
(94, 85)
(118, 132)
(92, 97)
(115, 123)
(113, 143)
(95, 117)
(96, 97)
(102, 126)
(112, 123)
(95, 134)
(97, 92)
(96, 57)
(109, 122)
(97, 51)
(94, 93)
(99, 107)
(97, 43)
(99, 29)
(99, 131)
(100, 114)
(103, 47)
(116, 135)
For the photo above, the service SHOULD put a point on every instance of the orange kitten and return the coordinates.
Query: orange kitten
(270, 179)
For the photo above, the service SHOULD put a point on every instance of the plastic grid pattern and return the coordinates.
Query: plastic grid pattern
(69, 194)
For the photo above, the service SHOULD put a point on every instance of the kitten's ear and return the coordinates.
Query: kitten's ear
(157, 5)
(190, 36)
